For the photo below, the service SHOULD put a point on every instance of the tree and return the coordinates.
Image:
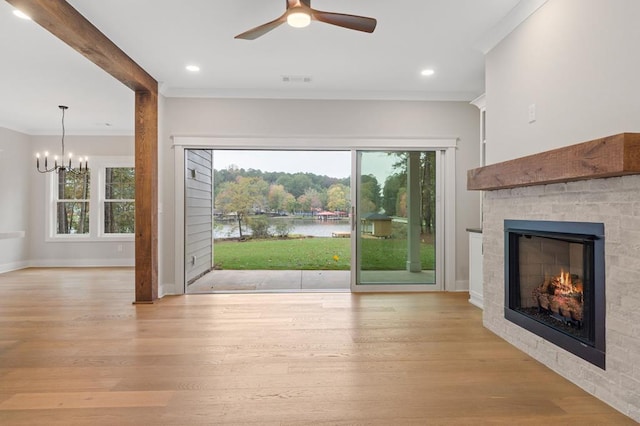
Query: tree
(312, 199)
(242, 197)
(369, 194)
(316, 198)
(73, 204)
(427, 186)
(290, 203)
(390, 192)
(304, 203)
(401, 202)
(277, 198)
(119, 204)
(296, 184)
(338, 197)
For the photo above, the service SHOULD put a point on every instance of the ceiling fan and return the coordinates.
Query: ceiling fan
(300, 14)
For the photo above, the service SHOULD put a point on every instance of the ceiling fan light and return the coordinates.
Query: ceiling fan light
(299, 19)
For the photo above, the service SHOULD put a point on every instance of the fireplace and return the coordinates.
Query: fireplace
(554, 283)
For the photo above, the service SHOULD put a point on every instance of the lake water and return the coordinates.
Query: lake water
(313, 227)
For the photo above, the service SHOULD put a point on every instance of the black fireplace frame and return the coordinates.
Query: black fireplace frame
(594, 351)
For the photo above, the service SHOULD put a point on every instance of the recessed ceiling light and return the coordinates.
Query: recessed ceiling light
(21, 14)
(192, 68)
(427, 72)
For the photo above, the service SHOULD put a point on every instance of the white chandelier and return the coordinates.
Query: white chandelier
(83, 165)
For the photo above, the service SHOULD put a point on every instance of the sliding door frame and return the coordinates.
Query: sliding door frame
(445, 145)
(445, 227)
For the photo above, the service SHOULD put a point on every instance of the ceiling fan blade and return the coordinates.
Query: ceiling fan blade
(353, 22)
(261, 30)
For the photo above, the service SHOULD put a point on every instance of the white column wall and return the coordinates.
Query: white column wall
(15, 184)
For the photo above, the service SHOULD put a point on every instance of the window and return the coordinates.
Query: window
(94, 206)
(119, 200)
(72, 205)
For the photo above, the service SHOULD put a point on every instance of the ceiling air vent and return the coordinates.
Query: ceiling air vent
(296, 79)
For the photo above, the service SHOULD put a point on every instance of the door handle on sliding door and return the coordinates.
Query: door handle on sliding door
(353, 218)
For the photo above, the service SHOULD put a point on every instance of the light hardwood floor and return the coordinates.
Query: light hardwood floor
(74, 350)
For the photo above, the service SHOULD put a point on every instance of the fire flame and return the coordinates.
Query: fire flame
(565, 284)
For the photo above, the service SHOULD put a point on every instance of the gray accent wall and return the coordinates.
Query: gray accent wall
(198, 213)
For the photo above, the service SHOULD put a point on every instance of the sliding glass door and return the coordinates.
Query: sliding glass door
(396, 220)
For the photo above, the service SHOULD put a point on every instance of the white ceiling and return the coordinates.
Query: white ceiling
(39, 72)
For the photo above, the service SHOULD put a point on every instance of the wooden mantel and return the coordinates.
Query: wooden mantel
(610, 156)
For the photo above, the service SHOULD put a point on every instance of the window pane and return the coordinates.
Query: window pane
(73, 186)
(120, 183)
(119, 217)
(72, 217)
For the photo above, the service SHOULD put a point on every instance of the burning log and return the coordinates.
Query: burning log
(562, 296)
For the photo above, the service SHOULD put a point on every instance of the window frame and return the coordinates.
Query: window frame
(56, 201)
(103, 202)
(97, 190)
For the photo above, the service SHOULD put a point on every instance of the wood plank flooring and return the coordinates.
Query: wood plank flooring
(75, 350)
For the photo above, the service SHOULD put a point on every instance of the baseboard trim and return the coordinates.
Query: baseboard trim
(13, 266)
(81, 263)
(476, 299)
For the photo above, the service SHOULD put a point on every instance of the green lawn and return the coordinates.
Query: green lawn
(314, 254)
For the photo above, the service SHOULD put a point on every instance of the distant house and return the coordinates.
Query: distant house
(377, 224)
(326, 215)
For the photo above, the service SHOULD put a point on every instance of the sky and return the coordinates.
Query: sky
(324, 163)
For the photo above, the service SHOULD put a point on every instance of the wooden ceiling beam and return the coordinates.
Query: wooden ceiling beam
(66, 23)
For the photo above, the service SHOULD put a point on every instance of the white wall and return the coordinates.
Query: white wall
(578, 62)
(15, 174)
(54, 253)
(309, 118)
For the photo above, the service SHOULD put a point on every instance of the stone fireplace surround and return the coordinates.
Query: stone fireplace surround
(614, 201)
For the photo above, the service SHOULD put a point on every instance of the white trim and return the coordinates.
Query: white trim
(480, 102)
(449, 217)
(355, 225)
(476, 299)
(97, 166)
(363, 95)
(440, 219)
(13, 266)
(510, 22)
(306, 143)
(180, 284)
(82, 263)
(165, 289)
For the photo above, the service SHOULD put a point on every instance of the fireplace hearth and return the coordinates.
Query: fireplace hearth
(554, 283)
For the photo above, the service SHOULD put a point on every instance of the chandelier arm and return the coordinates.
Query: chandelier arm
(68, 167)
